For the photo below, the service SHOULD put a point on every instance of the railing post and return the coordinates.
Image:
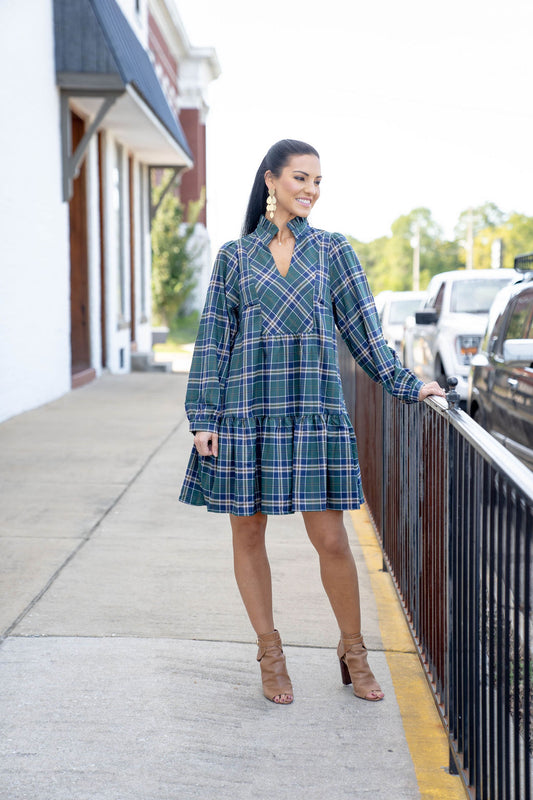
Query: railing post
(452, 769)
(452, 396)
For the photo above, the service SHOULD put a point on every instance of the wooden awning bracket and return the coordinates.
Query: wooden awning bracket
(71, 162)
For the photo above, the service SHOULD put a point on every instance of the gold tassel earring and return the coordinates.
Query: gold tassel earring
(271, 203)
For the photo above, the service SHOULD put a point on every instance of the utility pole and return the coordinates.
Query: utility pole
(415, 244)
(496, 254)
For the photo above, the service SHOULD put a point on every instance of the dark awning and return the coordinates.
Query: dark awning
(99, 57)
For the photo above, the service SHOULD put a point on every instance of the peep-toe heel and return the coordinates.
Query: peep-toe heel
(353, 659)
(276, 681)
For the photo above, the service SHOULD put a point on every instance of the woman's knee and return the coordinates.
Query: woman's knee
(333, 544)
(328, 535)
(248, 532)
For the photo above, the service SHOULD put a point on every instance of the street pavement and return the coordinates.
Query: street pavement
(127, 666)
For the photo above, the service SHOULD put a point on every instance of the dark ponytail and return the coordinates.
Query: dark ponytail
(276, 158)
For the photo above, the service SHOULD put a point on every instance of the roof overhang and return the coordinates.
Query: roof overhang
(104, 73)
(134, 124)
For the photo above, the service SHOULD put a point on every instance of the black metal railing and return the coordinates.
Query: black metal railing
(454, 513)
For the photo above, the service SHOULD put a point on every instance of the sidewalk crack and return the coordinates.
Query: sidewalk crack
(87, 537)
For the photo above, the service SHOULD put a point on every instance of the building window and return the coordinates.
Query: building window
(138, 6)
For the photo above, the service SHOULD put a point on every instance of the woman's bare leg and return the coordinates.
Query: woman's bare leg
(252, 572)
(252, 569)
(337, 566)
(339, 576)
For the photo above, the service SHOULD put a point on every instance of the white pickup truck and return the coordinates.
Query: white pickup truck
(440, 340)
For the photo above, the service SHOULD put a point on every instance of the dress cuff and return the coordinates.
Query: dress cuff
(415, 391)
(204, 421)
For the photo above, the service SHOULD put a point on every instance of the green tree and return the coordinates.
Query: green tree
(443, 256)
(388, 261)
(487, 215)
(516, 235)
(481, 218)
(173, 256)
(371, 255)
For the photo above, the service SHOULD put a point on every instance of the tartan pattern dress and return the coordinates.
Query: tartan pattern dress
(265, 376)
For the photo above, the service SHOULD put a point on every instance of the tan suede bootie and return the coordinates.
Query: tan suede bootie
(276, 682)
(355, 670)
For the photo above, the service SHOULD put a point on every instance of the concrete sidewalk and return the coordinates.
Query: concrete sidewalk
(128, 665)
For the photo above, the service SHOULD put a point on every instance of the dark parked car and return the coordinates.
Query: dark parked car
(500, 390)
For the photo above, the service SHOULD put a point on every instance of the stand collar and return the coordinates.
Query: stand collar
(266, 230)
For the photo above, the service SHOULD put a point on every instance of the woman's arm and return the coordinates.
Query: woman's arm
(358, 322)
(210, 362)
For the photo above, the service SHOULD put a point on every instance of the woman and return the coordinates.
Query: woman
(265, 402)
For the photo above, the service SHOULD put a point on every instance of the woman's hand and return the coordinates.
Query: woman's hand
(431, 388)
(206, 443)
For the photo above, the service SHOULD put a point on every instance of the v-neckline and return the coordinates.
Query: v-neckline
(290, 261)
(266, 230)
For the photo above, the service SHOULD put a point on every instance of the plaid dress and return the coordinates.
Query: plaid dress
(265, 376)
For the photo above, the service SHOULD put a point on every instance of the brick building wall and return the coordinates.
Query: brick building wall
(193, 181)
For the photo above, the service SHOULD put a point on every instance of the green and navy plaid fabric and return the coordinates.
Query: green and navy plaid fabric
(265, 376)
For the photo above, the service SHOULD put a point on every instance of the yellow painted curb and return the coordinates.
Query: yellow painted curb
(426, 739)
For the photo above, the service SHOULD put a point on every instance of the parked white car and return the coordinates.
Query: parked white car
(446, 332)
(393, 309)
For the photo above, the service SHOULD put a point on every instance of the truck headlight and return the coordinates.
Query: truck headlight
(467, 346)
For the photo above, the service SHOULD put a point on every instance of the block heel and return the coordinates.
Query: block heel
(353, 658)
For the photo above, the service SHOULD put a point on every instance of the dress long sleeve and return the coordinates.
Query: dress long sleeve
(210, 362)
(357, 320)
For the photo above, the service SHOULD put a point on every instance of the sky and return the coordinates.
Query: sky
(412, 103)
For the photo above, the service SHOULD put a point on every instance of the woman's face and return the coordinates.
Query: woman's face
(298, 187)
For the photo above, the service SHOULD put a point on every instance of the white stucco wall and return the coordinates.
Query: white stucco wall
(34, 233)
